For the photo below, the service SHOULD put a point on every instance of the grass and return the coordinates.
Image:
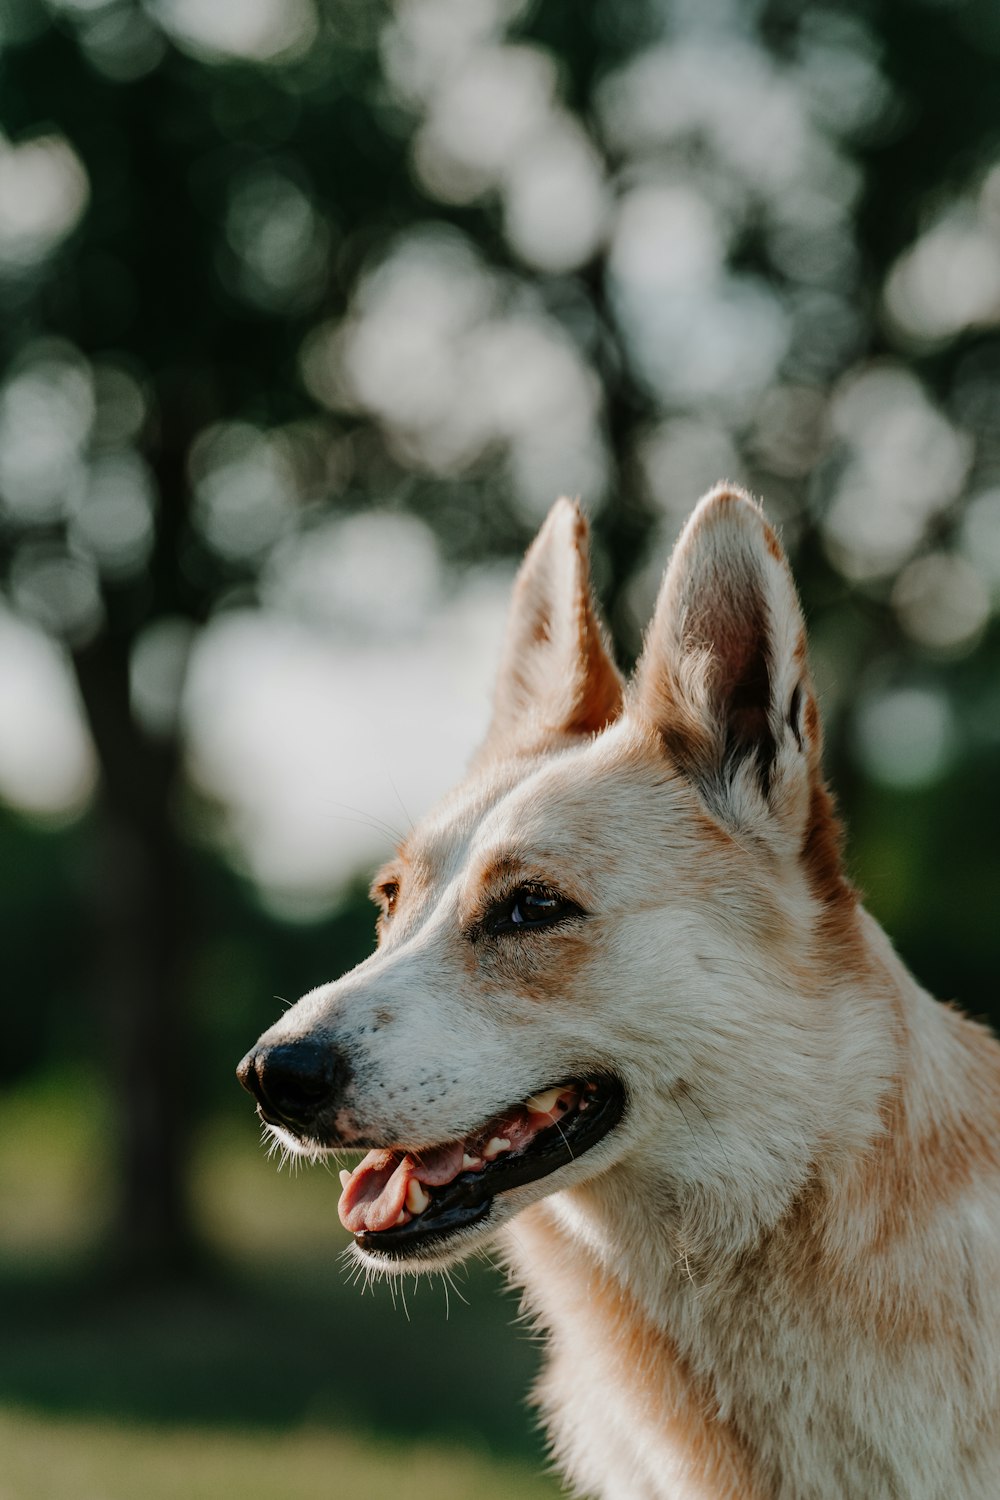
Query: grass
(46, 1459)
(274, 1376)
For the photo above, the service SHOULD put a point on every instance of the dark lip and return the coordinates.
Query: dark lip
(468, 1199)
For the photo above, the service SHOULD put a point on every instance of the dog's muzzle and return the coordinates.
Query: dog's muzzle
(295, 1084)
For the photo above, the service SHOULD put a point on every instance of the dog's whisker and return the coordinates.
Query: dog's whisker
(367, 820)
(718, 1139)
(566, 1143)
(652, 872)
(449, 1276)
(406, 815)
(703, 1155)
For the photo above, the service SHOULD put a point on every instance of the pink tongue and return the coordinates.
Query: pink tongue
(374, 1197)
(376, 1194)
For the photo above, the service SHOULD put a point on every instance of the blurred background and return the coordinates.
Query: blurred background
(308, 311)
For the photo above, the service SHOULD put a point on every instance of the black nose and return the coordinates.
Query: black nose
(293, 1083)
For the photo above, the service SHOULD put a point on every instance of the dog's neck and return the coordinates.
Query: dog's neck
(821, 1078)
(743, 1312)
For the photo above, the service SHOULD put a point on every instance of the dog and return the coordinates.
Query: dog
(628, 1020)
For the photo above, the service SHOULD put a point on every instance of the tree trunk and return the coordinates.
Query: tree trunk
(143, 941)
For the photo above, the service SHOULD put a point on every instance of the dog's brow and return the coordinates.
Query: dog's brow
(431, 848)
(418, 859)
(501, 867)
(796, 1150)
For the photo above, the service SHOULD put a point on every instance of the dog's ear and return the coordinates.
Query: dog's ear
(556, 672)
(724, 676)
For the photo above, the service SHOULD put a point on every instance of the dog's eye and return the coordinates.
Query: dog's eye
(530, 908)
(387, 895)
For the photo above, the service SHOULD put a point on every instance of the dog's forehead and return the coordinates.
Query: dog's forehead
(439, 844)
(560, 802)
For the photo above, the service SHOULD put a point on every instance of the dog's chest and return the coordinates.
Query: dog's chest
(629, 1413)
(735, 1392)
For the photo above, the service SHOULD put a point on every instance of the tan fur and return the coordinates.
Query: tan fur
(557, 676)
(779, 1277)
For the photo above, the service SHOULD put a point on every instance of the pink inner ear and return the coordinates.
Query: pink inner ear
(739, 676)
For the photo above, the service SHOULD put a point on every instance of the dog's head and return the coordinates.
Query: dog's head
(593, 955)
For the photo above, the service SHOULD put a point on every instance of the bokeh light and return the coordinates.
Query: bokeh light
(625, 300)
(43, 193)
(309, 310)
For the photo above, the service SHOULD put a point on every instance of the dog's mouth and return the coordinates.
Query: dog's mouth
(396, 1201)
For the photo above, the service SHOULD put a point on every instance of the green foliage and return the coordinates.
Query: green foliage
(253, 284)
(263, 269)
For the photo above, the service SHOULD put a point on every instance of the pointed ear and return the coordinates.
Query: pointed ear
(724, 675)
(556, 672)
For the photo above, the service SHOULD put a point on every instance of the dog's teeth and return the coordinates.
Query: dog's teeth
(470, 1161)
(494, 1147)
(400, 1218)
(416, 1199)
(345, 1177)
(543, 1104)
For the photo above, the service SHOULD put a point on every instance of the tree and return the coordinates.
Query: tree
(262, 266)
